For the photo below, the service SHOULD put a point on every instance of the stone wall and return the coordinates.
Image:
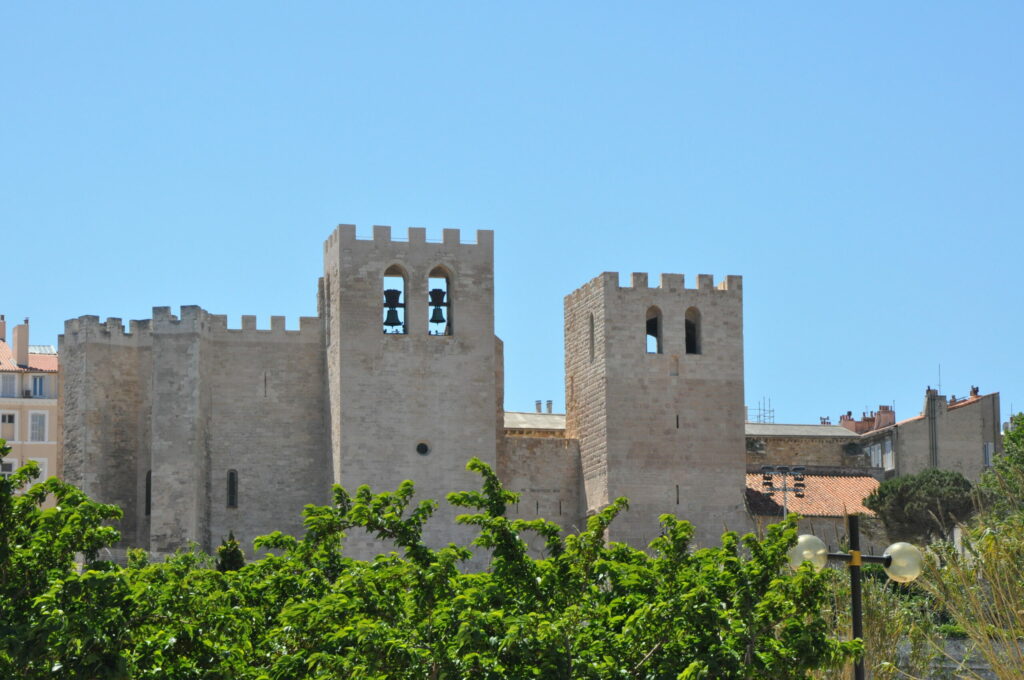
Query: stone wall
(546, 472)
(389, 394)
(665, 429)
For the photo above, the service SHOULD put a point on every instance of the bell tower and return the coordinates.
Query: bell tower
(412, 366)
(654, 394)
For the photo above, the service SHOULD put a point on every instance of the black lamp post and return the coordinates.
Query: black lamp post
(902, 563)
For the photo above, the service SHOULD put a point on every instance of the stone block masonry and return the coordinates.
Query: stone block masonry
(197, 429)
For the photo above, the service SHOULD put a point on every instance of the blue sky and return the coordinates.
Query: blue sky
(860, 166)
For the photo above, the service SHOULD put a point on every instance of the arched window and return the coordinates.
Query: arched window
(693, 341)
(654, 331)
(591, 335)
(232, 488)
(439, 302)
(393, 309)
(149, 492)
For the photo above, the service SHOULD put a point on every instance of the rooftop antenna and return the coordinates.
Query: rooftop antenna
(940, 377)
(764, 413)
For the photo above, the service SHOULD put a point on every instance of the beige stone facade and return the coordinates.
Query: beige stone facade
(28, 402)
(196, 429)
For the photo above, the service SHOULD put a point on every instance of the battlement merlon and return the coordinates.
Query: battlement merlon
(346, 234)
(89, 328)
(192, 318)
(669, 282)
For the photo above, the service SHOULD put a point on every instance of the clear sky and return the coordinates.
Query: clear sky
(860, 166)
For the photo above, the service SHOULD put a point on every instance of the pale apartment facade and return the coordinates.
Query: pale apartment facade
(28, 401)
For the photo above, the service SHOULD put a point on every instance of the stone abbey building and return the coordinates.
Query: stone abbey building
(196, 429)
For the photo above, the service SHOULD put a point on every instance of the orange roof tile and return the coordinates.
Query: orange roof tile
(39, 363)
(825, 496)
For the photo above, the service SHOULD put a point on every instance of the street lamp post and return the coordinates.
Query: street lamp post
(902, 563)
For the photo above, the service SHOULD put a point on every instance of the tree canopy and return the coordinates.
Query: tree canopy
(588, 609)
(921, 507)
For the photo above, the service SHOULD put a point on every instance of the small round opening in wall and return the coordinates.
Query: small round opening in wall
(422, 449)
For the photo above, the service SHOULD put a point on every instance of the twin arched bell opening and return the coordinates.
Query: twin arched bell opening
(392, 301)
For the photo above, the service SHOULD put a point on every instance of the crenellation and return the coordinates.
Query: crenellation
(705, 282)
(450, 237)
(417, 235)
(638, 280)
(163, 314)
(248, 322)
(672, 282)
(381, 234)
(277, 324)
(732, 283)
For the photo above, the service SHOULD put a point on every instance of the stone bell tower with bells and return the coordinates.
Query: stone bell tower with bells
(412, 366)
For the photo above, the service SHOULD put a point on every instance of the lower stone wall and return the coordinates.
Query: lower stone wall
(546, 472)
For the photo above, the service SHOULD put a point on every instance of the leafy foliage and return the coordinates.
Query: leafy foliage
(229, 554)
(1003, 485)
(589, 609)
(924, 506)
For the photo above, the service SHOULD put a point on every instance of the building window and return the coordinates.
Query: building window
(8, 386)
(875, 451)
(888, 462)
(693, 339)
(591, 336)
(653, 330)
(44, 468)
(38, 386)
(988, 452)
(232, 488)
(393, 311)
(8, 427)
(439, 302)
(37, 427)
(148, 505)
(7, 467)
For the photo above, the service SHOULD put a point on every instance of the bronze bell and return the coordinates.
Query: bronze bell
(437, 296)
(391, 319)
(392, 297)
(437, 316)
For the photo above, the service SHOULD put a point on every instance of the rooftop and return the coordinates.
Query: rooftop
(825, 496)
(44, 362)
(518, 420)
(783, 430)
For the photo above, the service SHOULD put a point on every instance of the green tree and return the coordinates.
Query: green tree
(229, 554)
(922, 507)
(1002, 486)
(588, 609)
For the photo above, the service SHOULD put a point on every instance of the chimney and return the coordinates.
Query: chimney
(538, 406)
(3, 329)
(548, 404)
(19, 342)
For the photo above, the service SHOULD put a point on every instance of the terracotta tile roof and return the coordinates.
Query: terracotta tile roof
(826, 496)
(39, 363)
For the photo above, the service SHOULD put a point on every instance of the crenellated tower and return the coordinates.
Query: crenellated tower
(654, 394)
(412, 365)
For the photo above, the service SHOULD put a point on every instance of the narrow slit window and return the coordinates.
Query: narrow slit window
(232, 488)
(654, 331)
(148, 504)
(393, 309)
(591, 335)
(693, 339)
(439, 302)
